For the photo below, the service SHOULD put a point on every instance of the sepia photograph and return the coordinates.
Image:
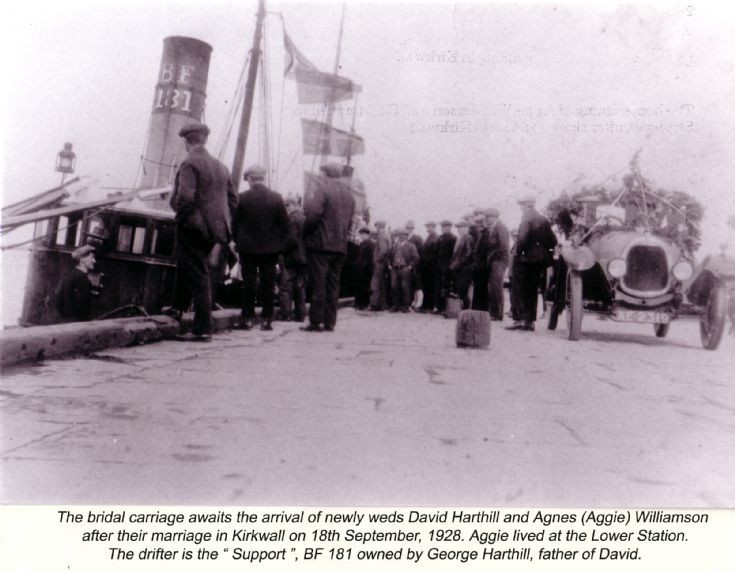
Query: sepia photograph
(280, 253)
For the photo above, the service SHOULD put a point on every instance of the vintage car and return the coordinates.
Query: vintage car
(636, 263)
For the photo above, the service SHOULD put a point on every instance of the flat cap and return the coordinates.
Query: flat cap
(492, 212)
(445, 223)
(527, 199)
(403, 231)
(255, 170)
(332, 169)
(380, 223)
(430, 223)
(82, 251)
(410, 224)
(461, 223)
(364, 230)
(195, 127)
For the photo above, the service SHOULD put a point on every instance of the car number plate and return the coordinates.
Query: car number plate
(641, 316)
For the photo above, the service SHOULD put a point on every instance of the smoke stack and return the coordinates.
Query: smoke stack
(178, 99)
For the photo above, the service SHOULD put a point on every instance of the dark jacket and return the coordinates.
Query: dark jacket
(462, 257)
(329, 210)
(294, 252)
(382, 248)
(499, 244)
(404, 254)
(204, 196)
(75, 297)
(429, 251)
(536, 240)
(417, 241)
(481, 249)
(260, 223)
(365, 252)
(445, 250)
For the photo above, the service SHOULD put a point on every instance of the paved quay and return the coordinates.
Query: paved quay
(384, 411)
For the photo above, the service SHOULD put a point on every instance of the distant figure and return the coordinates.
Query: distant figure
(329, 211)
(364, 268)
(428, 268)
(292, 290)
(480, 269)
(75, 295)
(380, 265)
(498, 257)
(403, 261)
(444, 252)
(260, 226)
(417, 284)
(461, 264)
(203, 199)
(533, 254)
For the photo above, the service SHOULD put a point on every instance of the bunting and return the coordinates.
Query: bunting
(321, 139)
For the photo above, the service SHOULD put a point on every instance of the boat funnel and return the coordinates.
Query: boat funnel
(178, 99)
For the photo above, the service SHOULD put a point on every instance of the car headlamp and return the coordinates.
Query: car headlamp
(617, 267)
(682, 270)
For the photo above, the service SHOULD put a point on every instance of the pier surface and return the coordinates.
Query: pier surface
(383, 411)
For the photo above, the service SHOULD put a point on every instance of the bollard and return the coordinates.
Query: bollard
(473, 329)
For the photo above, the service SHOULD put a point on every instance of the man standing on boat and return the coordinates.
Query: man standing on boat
(260, 227)
(329, 211)
(203, 200)
(75, 295)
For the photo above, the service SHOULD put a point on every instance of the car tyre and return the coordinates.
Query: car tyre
(712, 319)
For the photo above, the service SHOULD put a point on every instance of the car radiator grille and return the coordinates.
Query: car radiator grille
(648, 269)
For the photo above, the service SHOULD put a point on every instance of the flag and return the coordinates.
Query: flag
(321, 139)
(314, 86)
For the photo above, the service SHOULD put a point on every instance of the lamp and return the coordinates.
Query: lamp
(66, 160)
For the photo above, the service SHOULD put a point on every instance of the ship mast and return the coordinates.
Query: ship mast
(330, 106)
(247, 107)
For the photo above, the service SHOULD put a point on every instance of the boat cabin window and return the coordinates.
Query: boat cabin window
(67, 232)
(131, 236)
(41, 228)
(163, 239)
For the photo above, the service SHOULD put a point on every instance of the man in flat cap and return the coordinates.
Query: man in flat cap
(461, 263)
(363, 268)
(203, 199)
(444, 252)
(75, 294)
(329, 209)
(533, 254)
(428, 268)
(498, 257)
(380, 265)
(260, 226)
(403, 260)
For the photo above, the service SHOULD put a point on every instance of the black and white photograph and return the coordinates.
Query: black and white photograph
(368, 254)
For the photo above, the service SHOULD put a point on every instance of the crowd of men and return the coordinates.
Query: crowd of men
(469, 266)
(398, 271)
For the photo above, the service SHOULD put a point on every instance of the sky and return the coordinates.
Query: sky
(462, 105)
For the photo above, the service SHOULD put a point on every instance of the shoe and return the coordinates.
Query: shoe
(245, 325)
(516, 326)
(496, 319)
(405, 310)
(329, 328)
(375, 308)
(266, 325)
(393, 310)
(311, 327)
(528, 326)
(198, 337)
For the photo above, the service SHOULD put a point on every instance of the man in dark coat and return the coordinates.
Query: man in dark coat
(533, 254)
(403, 261)
(75, 295)
(203, 199)
(329, 209)
(292, 289)
(260, 225)
(444, 252)
(461, 263)
(428, 267)
(364, 269)
(498, 257)
(380, 265)
(480, 269)
(416, 276)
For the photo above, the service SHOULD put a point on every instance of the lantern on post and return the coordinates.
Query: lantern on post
(66, 160)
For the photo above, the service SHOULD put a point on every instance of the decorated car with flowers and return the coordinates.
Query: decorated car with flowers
(628, 255)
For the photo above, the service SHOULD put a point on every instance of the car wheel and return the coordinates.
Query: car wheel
(712, 319)
(574, 309)
(661, 329)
